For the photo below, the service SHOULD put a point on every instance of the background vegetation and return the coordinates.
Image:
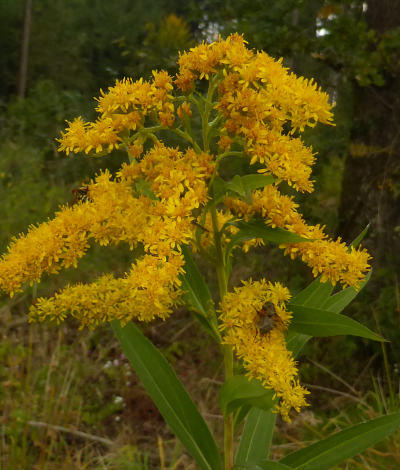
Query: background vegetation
(68, 399)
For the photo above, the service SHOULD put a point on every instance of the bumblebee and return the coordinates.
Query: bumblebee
(268, 319)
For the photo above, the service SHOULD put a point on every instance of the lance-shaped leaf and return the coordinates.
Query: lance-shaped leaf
(238, 391)
(240, 414)
(318, 294)
(318, 322)
(343, 445)
(169, 395)
(197, 294)
(360, 237)
(256, 439)
(315, 294)
(265, 465)
(295, 342)
(258, 229)
(336, 303)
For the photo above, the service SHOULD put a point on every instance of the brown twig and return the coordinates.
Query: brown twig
(84, 435)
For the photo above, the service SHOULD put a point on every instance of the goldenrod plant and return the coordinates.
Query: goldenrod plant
(173, 203)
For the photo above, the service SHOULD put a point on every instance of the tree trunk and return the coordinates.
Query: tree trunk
(23, 69)
(371, 184)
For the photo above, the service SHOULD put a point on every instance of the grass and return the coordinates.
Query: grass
(69, 398)
(346, 404)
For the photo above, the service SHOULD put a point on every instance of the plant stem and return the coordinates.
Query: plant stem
(228, 420)
(189, 138)
(228, 353)
(220, 265)
(205, 115)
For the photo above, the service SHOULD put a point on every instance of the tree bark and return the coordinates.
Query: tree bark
(23, 69)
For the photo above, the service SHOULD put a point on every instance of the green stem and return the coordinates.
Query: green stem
(205, 115)
(189, 138)
(217, 162)
(228, 420)
(228, 353)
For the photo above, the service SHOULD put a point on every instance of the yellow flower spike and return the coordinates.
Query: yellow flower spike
(59, 242)
(149, 290)
(330, 258)
(107, 218)
(264, 354)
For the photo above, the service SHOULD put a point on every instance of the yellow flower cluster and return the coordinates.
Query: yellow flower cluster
(60, 242)
(332, 259)
(173, 176)
(264, 354)
(148, 291)
(114, 212)
(124, 108)
(258, 99)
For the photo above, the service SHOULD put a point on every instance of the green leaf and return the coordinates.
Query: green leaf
(238, 391)
(266, 465)
(258, 229)
(318, 294)
(295, 342)
(205, 323)
(240, 185)
(240, 414)
(318, 322)
(336, 303)
(143, 187)
(169, 395)
(236, 185)
(360, 237)
(256, 181)
(219, 189)
(197, 294)
(256, 439)
(315, 294)
(343, 445)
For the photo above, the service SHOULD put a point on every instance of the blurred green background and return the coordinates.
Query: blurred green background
(54, 58)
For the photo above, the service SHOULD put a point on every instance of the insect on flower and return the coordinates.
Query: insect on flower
(80, 195)
(268, 319)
